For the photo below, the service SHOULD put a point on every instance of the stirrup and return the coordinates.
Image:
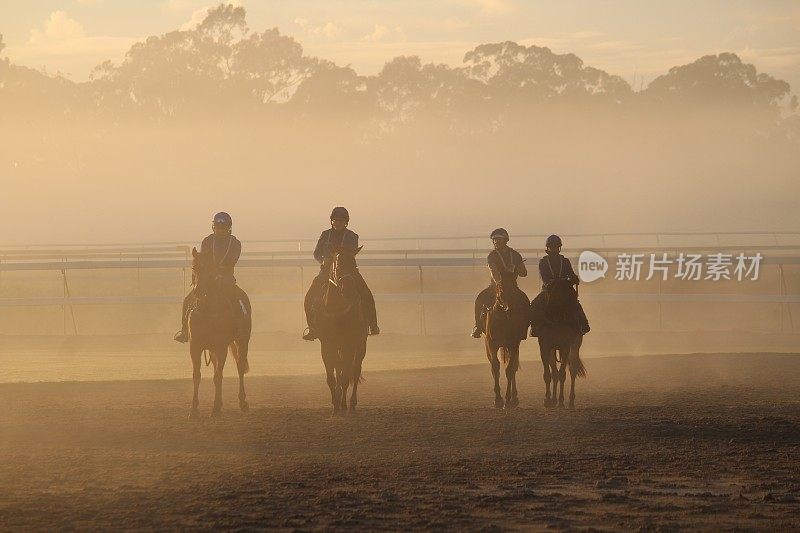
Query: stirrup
(181, 336)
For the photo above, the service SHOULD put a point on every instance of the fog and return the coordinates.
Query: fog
(224, 118)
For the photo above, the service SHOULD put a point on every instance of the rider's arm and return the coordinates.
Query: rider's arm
(319, 250)
(521, 270)
(544, 270)
(569, 273)
(234, 253)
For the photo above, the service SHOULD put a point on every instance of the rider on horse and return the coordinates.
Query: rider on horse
(554, 265)
(505, 265)
(225, 250)
(338, 235)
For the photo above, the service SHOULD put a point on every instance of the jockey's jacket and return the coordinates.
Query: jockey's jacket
(506, 265)
(330, 239)
(556, 266)
(225, 252)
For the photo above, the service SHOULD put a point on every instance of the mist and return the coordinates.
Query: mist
(225, 118)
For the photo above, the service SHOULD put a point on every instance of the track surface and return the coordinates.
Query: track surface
(663, 442)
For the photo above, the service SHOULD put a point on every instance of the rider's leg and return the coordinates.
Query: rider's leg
(308, 305)
(368, 304)
(240, 303)
(483, 300)
(183, 334)
(584, 322)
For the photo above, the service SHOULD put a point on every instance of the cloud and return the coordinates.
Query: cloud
(330, 29)
(384, 33)
(771, 58)
(62, 40)
(198, 16)
(58, 27)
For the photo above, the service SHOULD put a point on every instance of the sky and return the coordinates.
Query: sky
(634, 39)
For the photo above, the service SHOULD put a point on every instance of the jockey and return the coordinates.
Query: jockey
(505, 264)
(337, 235)
(225, 250)
(554, 265)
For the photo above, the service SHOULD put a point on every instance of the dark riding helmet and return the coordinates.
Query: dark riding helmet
(553, 241)
(499, 233)
(222, 219)
(340, 213)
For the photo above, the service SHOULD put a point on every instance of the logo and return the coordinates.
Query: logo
(591, 266)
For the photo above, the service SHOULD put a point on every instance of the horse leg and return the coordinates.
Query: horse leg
(330, 373)
(196, 355)
(498, 399)
(510, 392)
(554, 375)
(545, 355)
(515, 363)
(562, 377)
(219, 364)
(572, 388)
(356, 378)
(241, 367)
(509, 382)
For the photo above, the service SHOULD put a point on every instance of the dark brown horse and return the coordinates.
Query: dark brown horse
(559, 333)
(342, 329)
(505, 327)
(213, 328)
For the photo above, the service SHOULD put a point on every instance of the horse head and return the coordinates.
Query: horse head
(343, 271)
(207, 280)
(342, 292)
(502, 301)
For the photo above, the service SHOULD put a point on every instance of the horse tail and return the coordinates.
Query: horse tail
(577, 365)
(504, 356)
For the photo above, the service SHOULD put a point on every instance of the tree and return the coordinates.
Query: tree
(270, 66)
(718, 79)
(535, 73)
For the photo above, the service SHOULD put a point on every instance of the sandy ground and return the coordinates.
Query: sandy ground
(656, 443)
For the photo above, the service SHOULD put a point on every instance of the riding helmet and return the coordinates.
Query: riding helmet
(553, 241)
(223, 219)
(499, 233)
(340, 213)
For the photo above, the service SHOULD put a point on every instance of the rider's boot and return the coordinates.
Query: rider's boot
(585, 327)
(374, 330)
(476, 332)
(183, 334)
(310, 335)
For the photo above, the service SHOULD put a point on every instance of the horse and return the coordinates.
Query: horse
(342, 329)
(559, 331)
(505, 327)
(213, 328)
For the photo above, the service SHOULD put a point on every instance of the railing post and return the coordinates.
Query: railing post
(302, 303)
(422, 326)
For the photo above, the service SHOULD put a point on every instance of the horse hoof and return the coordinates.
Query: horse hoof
(498, 403)
(216, 413)
(560, 405)
(193, 414)
(548, 402)
(244, 406)
(352, 409)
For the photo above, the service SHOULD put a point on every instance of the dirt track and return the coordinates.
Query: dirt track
(695, 441)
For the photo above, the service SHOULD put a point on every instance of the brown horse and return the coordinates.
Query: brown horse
(213, 328)
(342, 329)
(505, 327)
(559, 331)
